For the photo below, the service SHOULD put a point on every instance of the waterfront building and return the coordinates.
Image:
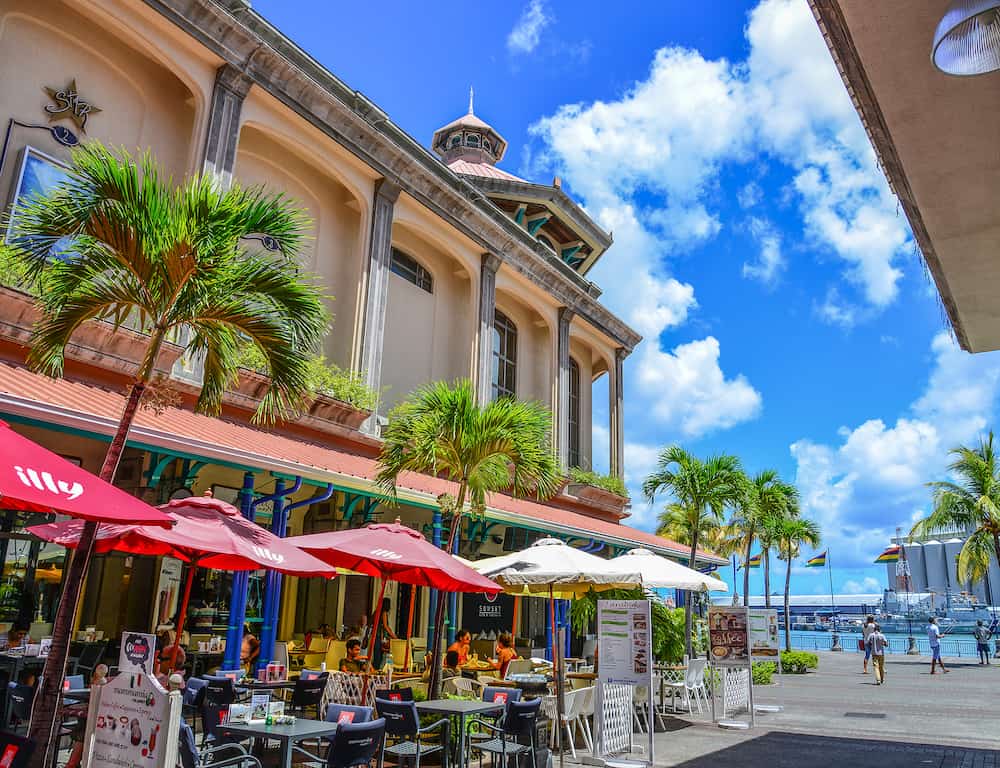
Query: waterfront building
(441, 265)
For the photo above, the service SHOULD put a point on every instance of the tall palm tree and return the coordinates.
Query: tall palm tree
(774, 500)
(738, 535)
(700, 491)
(170, 258)
(969, 503)
(790, 533)
(441, 430)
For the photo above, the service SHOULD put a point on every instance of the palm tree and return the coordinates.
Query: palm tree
(441, 430)
(738, 535)
(700, 492)
(790, 533)
(969, 503)
(171, 259)
(774, 500)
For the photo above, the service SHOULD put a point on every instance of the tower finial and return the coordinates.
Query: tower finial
(472, 95)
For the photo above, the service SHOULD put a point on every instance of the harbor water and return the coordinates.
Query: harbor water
(962, 646)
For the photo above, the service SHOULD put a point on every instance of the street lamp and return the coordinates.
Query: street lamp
(967, 39)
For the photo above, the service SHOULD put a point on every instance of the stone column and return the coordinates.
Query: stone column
(376, 300)
(562, 392)
(616, 438)
(487, 316)
(223, 134)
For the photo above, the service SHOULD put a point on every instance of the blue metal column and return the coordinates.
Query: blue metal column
(272, 584)
(238, 599)
(432, 602)
(453, 597)
(566, 625)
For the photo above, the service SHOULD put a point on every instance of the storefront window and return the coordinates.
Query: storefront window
(39, 174)
(32, 571)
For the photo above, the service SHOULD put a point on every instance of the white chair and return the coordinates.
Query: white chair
(519, 667)
(585, 710)
(693, 684)
(466, 686)
(572, 716)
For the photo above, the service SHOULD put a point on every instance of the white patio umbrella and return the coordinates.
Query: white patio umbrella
(660, 573)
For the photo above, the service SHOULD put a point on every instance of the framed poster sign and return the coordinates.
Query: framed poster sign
(765, 642)
(728, 636)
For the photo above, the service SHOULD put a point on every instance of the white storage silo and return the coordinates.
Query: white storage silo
(935, 572)
(951, 549)
(918, 575)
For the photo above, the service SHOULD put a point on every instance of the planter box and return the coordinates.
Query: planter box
(330, 409)
(596, 495)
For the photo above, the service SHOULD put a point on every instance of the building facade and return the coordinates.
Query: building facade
(440, 265)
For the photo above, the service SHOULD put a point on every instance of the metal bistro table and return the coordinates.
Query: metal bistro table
(461, 709)
(287, 735)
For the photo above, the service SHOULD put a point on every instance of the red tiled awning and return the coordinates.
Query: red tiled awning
(96, 410)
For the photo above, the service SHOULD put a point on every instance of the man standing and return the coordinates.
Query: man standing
(876, 646)
(982, 635)
(934, 638)
(866, 632)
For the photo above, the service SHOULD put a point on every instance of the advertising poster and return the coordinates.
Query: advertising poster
(765, 642)
(168, 588)
(128, 724)
(625, 640)
(728, 638)
(137, 653)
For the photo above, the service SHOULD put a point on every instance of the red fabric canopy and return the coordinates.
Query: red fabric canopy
(33, 479)
(208, 532)
(397, 553)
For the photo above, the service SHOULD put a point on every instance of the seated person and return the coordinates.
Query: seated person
(164, 647)
(450, 668)
(15, 637)
(250, 649)
(505, 652)
(463, 640)
(353, 661)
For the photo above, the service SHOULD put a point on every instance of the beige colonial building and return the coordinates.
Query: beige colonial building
(440, 264)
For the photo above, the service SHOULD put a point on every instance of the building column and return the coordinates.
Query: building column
(487, 316)
(616, 438)
(377, 298)
(223, 134)
(562, 393)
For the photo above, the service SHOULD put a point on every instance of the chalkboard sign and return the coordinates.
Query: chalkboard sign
(487, 614)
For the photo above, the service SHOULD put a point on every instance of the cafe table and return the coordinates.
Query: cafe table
(202, 660)
(287, 735)
(460, 709)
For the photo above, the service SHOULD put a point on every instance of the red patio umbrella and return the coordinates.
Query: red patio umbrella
(207, 532)
(33, 479)
(392, 551)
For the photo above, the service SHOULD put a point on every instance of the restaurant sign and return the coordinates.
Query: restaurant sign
(727, 635)
(137, 653)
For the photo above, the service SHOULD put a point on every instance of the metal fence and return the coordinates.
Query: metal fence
(963, 647)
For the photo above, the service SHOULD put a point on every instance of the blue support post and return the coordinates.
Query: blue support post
(432, 602)
(548, 631)
(272, 584)
(566, 625)
(453, 596)
(238, 599)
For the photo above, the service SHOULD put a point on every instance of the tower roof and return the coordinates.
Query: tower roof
(469, 138)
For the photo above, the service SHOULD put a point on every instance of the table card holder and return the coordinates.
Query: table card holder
(258, 707)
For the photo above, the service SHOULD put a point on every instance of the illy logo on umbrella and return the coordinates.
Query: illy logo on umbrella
(44, 481)
(266, 554)
(386, 554)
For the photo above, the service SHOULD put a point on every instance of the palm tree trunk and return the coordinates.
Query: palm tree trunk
(689, 596)
(434, 684)
(746, 574)
(767, 577)
(788, 583)
(45, 711)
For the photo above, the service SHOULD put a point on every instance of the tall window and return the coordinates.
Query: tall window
(504, 356)
(409, 269)
(574, 413)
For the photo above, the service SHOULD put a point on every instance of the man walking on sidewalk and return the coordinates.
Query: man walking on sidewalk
(934, 638)
(876, 645)
(982, 635)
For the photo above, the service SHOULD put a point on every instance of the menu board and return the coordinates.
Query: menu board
(168, 587)
(132, 723)
(727, 635)
(624, 638)
(764, 639)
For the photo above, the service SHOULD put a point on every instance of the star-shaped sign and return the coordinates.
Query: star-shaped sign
(66, 103)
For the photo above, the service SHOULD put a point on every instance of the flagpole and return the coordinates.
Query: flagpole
(835, 645)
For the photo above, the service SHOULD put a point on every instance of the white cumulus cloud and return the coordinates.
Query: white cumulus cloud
(769, 263)
(527, 32)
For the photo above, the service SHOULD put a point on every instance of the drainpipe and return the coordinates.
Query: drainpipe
(238, 599)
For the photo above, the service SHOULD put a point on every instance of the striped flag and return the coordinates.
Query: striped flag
(891, 555)
(816, 561)
(754, 561)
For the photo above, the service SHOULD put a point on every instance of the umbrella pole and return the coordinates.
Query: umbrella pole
(409, 625)
(182, 616)
(513, 623)
(375, 624)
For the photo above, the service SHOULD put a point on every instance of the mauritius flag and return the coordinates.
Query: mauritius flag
(891, 555)
(754, 562)
(817, 561)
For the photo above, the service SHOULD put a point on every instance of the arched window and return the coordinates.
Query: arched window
(504, 356)
(574, 413)
(455, 140)
(472, 140)
(409, 269)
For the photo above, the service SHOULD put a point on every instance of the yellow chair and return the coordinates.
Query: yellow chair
(336, 651)
(398, 650)
(316, 653)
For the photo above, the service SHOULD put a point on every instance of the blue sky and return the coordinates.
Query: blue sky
(787, 315)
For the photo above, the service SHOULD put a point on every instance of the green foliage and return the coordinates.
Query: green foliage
(668, 623)
(610, 483)
(322, 378)
(15, 270)
(970, 502)
(172, 259)
(798, 662)
(763, 671)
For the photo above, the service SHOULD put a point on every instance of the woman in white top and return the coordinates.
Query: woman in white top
(866, 632)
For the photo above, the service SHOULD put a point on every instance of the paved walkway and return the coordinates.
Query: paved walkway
(838, 717)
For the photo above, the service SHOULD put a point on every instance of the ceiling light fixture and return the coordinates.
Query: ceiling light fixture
(967, 40)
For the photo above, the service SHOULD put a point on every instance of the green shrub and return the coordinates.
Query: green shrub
(798, 662)
(610, 483)
(763, 671)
